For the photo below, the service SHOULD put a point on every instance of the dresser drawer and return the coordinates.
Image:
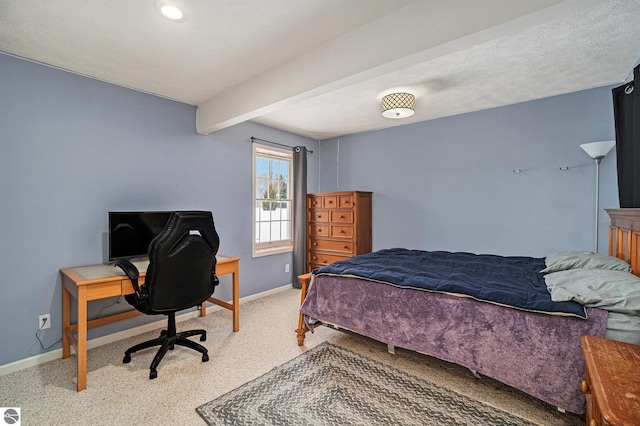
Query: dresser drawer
(345, 201)
(318, 216)
(331, 245)
(313, 266)
(341, 231)
(341, 216)
(329, 202)
(319, 230)
(324, 259)
(314, 202)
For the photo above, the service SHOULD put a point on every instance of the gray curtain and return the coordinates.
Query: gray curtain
(299, 213)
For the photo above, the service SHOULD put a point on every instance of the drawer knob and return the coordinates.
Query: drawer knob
(319, 216)
(345, 247)
(342, 231)
(314, 258)
(341, 217)
(315, 244)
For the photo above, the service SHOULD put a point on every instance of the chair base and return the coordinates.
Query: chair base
(167, 341)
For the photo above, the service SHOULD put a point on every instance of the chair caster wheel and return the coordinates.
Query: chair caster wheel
(205, 357)
(153, 374)
(127, 359)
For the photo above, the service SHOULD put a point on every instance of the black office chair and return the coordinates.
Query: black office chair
(181, 274)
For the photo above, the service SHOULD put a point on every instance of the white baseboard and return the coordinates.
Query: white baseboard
(124, 334)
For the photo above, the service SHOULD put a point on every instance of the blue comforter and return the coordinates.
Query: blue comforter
(511, 281)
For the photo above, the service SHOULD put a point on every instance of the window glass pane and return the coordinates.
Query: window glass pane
(262, 167)
(261, 185)
(286, 210)
(274, 168)
(286, 230)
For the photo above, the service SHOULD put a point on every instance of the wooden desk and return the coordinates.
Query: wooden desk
(612, 381)
(93, 282)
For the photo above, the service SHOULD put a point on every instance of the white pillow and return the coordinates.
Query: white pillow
(562, 261)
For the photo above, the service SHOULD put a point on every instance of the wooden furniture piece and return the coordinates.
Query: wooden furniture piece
(338, 226)
(93, 282)
(624, 236)
(612, 381)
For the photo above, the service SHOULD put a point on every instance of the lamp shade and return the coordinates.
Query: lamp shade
(398, 105)
(598, 149)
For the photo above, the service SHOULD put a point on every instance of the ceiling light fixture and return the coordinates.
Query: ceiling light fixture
(171, 10)
(398, 105)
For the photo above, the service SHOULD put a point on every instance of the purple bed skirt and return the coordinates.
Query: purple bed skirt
(536, 353)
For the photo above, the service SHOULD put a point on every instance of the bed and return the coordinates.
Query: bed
(534, 348)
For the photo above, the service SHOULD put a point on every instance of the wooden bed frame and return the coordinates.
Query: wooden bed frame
(624, 236)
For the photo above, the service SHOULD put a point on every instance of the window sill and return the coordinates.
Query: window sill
(271, 251)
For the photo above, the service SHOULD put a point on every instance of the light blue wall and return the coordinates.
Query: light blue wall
(73, 149)
(448, 184)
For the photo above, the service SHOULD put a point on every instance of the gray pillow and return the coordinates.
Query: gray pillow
(614, 291)
(562, 261)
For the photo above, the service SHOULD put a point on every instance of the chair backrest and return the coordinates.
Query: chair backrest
(182, 261)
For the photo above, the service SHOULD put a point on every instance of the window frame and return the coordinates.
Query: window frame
(279, 246)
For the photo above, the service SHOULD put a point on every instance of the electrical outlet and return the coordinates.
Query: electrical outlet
(44, 321)
(286, 267)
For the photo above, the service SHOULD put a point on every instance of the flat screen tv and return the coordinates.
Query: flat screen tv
(130, 233)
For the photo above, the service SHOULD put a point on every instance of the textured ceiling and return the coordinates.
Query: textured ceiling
(319, 68)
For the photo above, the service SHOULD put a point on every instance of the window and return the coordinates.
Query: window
(272, 203)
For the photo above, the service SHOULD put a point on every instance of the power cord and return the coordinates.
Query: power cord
(108, 306)
(44, 322)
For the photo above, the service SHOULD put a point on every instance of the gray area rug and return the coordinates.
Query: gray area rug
(330, 385)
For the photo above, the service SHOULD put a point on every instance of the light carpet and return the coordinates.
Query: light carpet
(122, 394)
(330, 385)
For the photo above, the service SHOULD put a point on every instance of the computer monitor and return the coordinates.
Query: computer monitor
(130, 233)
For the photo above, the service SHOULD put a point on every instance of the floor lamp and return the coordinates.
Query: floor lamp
(597, 151)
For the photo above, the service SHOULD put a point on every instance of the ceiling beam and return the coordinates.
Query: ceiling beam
(409, 36)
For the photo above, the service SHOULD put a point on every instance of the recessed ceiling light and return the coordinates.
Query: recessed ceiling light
(171, 10)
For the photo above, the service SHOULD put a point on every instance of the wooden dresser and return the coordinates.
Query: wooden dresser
(338, 226)
(612, 381)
